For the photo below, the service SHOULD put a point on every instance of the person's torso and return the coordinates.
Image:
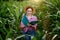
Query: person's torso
(33, 18)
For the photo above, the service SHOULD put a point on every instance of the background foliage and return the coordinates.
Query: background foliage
(47, 11)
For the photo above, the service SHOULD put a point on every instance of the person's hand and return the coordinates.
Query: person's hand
(30, 25)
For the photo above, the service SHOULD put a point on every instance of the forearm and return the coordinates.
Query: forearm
(35, 26)
(22, 25)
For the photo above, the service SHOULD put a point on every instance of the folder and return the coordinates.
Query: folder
(25, 20)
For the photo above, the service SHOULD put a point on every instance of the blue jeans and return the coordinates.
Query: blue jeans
(31, 33)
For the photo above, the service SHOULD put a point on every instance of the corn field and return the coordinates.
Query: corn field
(47, 11)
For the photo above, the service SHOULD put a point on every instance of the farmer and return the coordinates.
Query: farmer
(30, 30)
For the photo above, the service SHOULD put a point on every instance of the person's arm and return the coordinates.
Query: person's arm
(22, 25)
(35, 26)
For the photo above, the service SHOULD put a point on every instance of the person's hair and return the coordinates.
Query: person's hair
(25, 9)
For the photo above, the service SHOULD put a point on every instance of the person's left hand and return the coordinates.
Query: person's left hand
(30, 25)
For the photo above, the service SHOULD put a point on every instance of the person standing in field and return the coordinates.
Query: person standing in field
(30, 30)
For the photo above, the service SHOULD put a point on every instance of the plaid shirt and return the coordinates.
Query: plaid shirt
(22, 26)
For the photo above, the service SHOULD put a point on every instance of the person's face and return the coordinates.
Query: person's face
(29, 11)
